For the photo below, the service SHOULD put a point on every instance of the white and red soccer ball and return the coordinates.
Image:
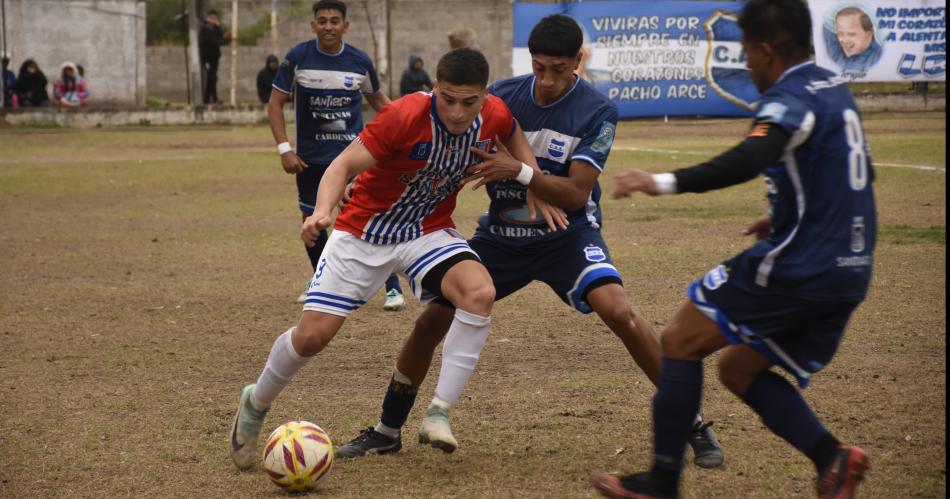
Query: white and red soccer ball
(297, 455)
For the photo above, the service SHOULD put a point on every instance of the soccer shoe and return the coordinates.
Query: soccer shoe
(394, 300)
(436, 431)
(244, 431)
(840, 480)
(636, 486)
(706, 450)
(369, 441)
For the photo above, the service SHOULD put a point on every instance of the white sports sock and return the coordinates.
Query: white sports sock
(282, 364)
(385, 430)
(463, 344)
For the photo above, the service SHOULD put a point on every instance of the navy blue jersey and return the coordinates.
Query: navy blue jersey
(824, 224)
(327, 96)
(579, 126)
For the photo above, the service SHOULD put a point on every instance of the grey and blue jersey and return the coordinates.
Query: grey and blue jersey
(824, 223)
(327, 91)
(579, 126)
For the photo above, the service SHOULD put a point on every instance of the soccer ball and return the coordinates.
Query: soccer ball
(297, 455)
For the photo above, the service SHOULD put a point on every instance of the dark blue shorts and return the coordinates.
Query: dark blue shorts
(799, 335)
(307, 183)
(571, 268)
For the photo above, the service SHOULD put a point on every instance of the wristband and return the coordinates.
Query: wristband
(284, 148)
(665, 183)
(524, 178)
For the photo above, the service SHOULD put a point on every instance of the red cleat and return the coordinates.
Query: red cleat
(840, 480)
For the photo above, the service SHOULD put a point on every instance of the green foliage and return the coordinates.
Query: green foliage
(161, 26)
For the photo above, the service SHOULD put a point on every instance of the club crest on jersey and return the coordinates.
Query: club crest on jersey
(716, 277)
(726, 71)
(556, 148)
(421, 150)
(594, 254)
(349, 82)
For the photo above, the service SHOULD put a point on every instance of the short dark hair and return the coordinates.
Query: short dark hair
(212, 11)
(866, 23)
(556, 35)
(463, 66)
(785, 25)
(330, 5)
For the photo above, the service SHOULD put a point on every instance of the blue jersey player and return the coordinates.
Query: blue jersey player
(327, 79)
(784, 301)
(571, 128)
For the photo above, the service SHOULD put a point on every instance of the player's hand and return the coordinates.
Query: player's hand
(630, 181)
(347, 193)
(500, 165)
(553, 216)
(312, 227)
(760, 228)
(292, 163)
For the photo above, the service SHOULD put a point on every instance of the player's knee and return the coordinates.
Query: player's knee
(675, 346)
(620, 317)
(310, 339)
(478, 298)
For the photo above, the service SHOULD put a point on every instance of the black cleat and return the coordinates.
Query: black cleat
(706, 450)
(369, 441)
(635, 486)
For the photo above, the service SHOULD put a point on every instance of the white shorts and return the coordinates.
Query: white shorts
(352, 270)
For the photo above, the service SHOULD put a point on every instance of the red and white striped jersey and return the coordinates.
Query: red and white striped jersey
(411, 189)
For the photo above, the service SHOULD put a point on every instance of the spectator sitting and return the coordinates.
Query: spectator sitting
(414, 78)
(31, 85)
(9, 84)
(70, 89)
(265, 78)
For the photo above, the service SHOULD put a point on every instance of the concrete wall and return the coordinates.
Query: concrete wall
(418, 26)
(107, 37)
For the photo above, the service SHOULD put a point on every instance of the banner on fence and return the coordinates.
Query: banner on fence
(882, 40)
(654, 58)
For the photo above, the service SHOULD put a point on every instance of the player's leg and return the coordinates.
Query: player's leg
(417, 352)
(746, 372)
(609, 301)
(351, 271)
(686, 340)
(307, 183)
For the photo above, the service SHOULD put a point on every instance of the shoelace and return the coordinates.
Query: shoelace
(702, 438)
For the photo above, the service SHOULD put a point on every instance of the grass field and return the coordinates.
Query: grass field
(147, 270)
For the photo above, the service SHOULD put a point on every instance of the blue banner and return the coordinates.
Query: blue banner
(671, 58)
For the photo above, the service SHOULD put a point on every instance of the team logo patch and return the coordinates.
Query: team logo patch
(726, 72)
(556, 148)
(605, 138)
(349, 82)
(773, 112)
(421, 151)
(594, 254)
(716, 277)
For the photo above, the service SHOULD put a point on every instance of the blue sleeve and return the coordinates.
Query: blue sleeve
(596, 143)
(284, 81)
(783, 110)
(371, 85)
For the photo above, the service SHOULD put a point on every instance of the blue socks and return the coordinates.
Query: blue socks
(675, 406)
(393, 283)
(785, 412)
(399, 399)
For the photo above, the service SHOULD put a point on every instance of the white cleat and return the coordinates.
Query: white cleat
(245, 431)
(394, 300)
(436, 431)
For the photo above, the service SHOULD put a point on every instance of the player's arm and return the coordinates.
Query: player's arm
(378, 100)
(275, 116)
(764, 147)
(355, 159)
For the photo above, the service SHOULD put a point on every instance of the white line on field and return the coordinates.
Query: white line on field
(695, 153)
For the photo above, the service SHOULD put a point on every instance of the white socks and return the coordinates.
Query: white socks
(282, 364)
(463, 344)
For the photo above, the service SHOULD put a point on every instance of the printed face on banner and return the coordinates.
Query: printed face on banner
(850, 39)
(854, 31)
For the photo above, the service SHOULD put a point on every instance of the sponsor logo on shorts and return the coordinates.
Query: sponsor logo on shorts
(595, 254)
(716, 277)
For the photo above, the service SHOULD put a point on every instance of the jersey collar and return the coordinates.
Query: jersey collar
(342, 48)
(577, 80)
(792, 70)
